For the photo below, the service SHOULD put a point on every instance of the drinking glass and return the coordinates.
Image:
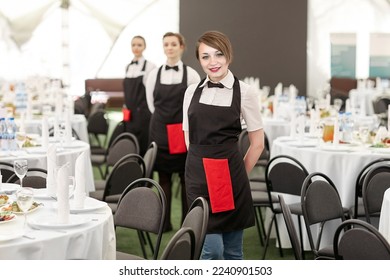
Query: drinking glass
(20, 168)
(328, 131)
(24, 199)
(20, 139)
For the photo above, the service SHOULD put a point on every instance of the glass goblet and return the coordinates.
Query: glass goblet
(24, 199)
(21, 138)
(20, 168)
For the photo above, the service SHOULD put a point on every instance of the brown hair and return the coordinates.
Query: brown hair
(178, 36)
(216, 40)
(139, 37)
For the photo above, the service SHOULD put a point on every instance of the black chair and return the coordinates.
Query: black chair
(7, 170)
(125, 143)
(292, 233)
(150, 158)
(358, 240)
(197, 219)
(97, 128)
(284, 175)
(128, 169)
(35, 178)
(320, 204)
(181, 246)
(357, 210)
(142, 207)
(375, 183)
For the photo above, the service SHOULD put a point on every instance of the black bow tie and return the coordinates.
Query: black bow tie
(134, 62)
(176, 68)
(211, 85)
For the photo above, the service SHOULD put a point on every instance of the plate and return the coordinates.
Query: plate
(337, 148)
(51, 221)
(9, 188)
(20, 212)
(303, 144)
(90, 204)
(12, 218)
(7, 236)
(42, 194)
(379, 150)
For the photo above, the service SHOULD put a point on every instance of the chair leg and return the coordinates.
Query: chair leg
(142, 242)
(262, 223)
(257, 214)
(301, 236)
(277, 237)
(149, 240)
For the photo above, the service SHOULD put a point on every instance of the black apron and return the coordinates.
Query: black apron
(213, 137)
(135, 101)
(168, 104)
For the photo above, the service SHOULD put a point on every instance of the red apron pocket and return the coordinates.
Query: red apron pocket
(126, 114)
(176, 142)
(219, 184)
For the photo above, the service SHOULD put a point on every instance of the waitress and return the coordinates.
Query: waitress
(136, 111)
(215, 169)
(165, 89)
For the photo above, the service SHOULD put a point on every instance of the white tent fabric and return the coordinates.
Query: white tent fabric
(96, 42)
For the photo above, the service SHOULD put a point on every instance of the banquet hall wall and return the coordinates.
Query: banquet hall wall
(269, 37)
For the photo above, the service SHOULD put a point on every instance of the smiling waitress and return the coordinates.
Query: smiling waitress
(136, 112)
(165, 89)
(215, 169)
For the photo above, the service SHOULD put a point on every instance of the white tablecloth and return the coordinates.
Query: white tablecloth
(36, 157)
(93, 239)
(275, 128)
(342, 167)
(384, 220)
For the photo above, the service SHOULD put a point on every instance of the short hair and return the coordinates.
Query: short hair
(216, 40)
(182, 41)
(139, 37)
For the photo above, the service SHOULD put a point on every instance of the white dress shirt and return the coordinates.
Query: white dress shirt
(168, 77)
(135, 70)
(250, 106)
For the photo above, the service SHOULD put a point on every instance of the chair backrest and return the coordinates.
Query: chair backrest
(358, 240)
(180, 246)
(35, 178)
(125, 143)
(375, 183)
(98, 123)
(285, 174)
(197, 219)
(360, 179)
(7, 170)
(128, 169)
(381, 105)
(118, 129)
(321, 203)
(292, 233)
(243, 144)
(150, 158)
(142, 206)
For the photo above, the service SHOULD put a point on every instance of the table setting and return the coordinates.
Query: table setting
(56, 222)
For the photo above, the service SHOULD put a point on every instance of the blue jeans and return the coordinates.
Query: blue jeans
(223, 246)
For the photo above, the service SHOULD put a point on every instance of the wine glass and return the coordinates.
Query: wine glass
(20, 168)
(24, 199)
(21, 138)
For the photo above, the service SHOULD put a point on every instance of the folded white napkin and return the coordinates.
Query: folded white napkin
(347, 105)
(301, 128)
(45, 133)
(63, 209)
(68, 129)
(327, 101)
(336, 132)
(293, 127)
(313, 123)
(51, 171)
(388, 117)
(80, 171)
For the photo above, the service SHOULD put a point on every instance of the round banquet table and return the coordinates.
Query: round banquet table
(78, 121)
(89, 235)
(37, 157)
(341, 163)
(275, 127)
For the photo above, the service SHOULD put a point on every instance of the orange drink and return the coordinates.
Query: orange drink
(327, 135)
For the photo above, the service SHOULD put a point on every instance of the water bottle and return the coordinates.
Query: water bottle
(3, 135)
(347, 127)
(11, 134)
